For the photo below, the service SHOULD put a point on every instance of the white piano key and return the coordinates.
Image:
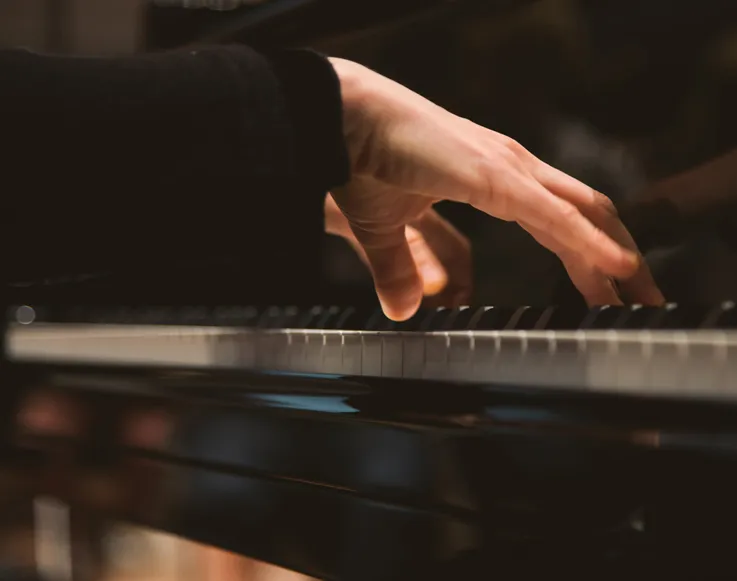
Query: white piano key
(391, 355)
(666, 364)
(728, 383)
(509, 359)
(601, 365)
(272, 350)
(413, 361)
(706, 367)
(631, 365)
(224, 350)
(332, 353)
(371, 355)
(567, 365)
(534, 366)
(297, 356)
(436, 356)
(313, 352)
(245, 347)
(352, 362)
(484, 357)
(283, 346)
(459, 355)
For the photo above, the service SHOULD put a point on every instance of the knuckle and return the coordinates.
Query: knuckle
(568, 213)
(482, 169)
(514, 147)
(493, 164)
(604, 206)
(493, 160)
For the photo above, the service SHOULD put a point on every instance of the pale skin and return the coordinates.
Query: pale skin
(408, 154)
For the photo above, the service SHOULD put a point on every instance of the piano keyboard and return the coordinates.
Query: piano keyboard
(670, 351)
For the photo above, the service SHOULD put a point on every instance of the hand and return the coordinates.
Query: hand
(407, 154)
(441, 254)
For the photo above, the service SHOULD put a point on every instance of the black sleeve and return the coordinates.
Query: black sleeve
(115, 164)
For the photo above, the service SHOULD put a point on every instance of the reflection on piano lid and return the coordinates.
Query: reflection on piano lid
(673, 351)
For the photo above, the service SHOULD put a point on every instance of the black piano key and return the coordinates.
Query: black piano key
(441, 320)
(723, 316)
(494, 318)
(326, 318)
(549, 319)
(353, 318)
(346, 320)
(270, 318)
(669, 316)
(126, 316)
(304, 317)
(237, 316)
(605, 317)
(692, 316)
(308, 318)
(666, 317)
(378, 321)
(562, 318)
(279, 318)
(526, 318)
(450, 319)
(193, 315)
(639, 317)
(420, 321)
(463, 318)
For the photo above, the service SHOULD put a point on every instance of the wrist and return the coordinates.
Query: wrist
(313, 104)
(355, 95)
(352, 78)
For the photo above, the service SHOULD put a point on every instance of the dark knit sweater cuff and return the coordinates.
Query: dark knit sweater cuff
(311, 89)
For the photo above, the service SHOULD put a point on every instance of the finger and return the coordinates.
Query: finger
(432, 272)
(641, 287)
(335, 222)
(526, 199)
(595, 287)
(397, 281)
(452, 249)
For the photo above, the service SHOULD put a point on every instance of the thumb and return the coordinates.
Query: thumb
(398, 284)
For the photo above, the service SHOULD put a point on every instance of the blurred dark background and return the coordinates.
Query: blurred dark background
(619, 93)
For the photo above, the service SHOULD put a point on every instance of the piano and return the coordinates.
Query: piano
(337, 443)
(495, 440)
